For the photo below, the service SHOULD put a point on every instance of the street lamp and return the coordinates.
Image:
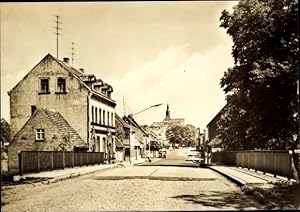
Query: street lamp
(146, 109)
(131, 115)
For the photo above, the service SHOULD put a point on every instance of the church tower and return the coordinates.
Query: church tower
(168, 112)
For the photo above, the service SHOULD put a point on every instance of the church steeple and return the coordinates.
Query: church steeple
(168, 112)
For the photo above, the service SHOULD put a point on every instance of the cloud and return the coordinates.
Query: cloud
(188, 82)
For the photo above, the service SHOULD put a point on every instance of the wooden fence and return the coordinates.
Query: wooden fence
(36, 161)
(274, 162)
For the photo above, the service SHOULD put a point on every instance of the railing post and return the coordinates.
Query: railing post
(264, 169)
(38, 161)
(248, 160)
(52, 162)
(63, 159)
(275, 165)
(255, 161)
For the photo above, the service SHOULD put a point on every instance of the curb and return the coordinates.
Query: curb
(236, 180)
(54, 180)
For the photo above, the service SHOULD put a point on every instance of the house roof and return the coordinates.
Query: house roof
(57, 119)
(130, 120)
(221, 111)
(118, 118)
(76, 73)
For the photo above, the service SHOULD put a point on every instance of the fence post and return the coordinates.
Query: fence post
(87, 159)
(38, 161)
(73, 159)
(21, 163)
(52, 162)
(63, 159)
(80, 158)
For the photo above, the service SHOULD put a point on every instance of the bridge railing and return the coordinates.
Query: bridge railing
(273, 162)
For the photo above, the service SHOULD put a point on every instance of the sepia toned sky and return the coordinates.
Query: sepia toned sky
(150, 52)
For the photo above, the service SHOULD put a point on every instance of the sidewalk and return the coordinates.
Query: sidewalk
(60, 174)
(244, 176)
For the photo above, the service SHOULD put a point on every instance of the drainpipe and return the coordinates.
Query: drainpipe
(88, 119)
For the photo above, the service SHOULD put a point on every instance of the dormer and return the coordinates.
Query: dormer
(88, 79)
(97, 85)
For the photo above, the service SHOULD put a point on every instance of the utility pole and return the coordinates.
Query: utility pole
(73, 53)
(57, 33)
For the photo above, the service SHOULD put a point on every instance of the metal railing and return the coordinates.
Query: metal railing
(273, 162)
(36, 161)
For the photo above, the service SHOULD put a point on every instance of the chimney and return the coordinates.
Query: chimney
(66, 60)
(82, 70)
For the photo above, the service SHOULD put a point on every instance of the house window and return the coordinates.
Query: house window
(112, 119)
(61, 85)
(104, 117)
(92, 114)
(44, 86)
(40, 134)
(100, 120)
(107, 118)
(96, 115)
(127, 134)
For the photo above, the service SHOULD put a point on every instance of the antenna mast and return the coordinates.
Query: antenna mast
(73, 53)
(57, 33)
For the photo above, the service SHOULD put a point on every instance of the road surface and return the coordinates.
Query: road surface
(134, 188)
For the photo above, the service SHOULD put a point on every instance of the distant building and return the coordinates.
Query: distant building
(5, 134)
(137, 138)
(5, 140)
(81, 99)
(211, 131)
(160, 128)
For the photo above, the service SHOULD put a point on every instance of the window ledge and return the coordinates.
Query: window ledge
(61, 92)
(44, 93)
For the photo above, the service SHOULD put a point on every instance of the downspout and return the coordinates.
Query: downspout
(88, 119)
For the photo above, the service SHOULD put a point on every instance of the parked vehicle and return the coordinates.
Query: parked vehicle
(162, 153)
(194, 157)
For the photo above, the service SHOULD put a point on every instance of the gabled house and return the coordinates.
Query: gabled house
(137, 138)
(45, 130)
(211, 132)
(81, 99)
(122, 139)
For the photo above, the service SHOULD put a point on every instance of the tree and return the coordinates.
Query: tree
(180, 135)
(261, 88)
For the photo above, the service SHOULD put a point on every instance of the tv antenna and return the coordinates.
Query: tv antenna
(73, 53)
(57, 32)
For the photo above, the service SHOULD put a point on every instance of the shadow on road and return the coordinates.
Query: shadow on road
(175, 163)
(219, 199)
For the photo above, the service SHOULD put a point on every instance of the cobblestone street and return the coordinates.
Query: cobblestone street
(91, 192)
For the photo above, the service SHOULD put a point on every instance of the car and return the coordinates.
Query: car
(194, 157)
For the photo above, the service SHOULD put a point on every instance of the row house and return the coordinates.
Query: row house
(138, 139)
(81, 99)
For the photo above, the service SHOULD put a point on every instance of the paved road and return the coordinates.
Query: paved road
(133, 188)
(176, 157)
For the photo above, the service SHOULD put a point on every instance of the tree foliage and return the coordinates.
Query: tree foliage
(180, 135)
(261, 88)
